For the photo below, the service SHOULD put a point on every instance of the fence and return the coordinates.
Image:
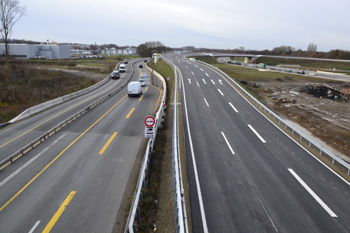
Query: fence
(326, 156)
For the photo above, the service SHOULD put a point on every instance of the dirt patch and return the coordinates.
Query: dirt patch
(326, 119)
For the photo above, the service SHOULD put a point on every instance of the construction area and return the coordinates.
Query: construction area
(320, 110)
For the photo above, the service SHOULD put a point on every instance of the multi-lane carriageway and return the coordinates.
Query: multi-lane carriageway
(246, 175)
(75, 181)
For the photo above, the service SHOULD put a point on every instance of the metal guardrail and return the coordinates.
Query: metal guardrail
(181, 224)
(134, 214)
(307, 142)
(24, 150)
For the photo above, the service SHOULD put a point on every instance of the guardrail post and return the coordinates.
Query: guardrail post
(138, 214)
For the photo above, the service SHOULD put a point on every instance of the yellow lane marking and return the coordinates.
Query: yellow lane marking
(59, 155)
(146, 89)
(57, 115)
(107, 144)
(59, 212)
(130, 113)
(141, 98)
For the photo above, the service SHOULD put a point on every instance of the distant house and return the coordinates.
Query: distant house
(80, 52)
(114, 51)
(27, 51)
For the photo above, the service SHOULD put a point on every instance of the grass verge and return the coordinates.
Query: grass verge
(23, 86)
(157, 211)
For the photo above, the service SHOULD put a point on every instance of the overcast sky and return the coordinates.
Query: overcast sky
(226, 24)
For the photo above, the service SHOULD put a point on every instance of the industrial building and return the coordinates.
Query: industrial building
(26, 51)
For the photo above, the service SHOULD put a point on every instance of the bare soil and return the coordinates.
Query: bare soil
(327, 120)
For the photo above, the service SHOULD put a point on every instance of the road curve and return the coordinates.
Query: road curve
(75, 181)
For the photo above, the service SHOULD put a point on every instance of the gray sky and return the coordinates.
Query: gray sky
(226, 24)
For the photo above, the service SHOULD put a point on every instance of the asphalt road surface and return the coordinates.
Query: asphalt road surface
(75, 181)
(246, 175)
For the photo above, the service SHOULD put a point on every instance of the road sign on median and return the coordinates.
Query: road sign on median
(149, 121)
(149, 132)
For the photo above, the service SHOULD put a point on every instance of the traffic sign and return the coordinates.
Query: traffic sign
(149, 121)
(149, 132)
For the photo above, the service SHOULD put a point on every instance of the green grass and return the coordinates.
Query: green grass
(165, 70)
(206, 59)
(22, 85)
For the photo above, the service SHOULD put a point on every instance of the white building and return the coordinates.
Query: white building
(114, 51)
(26, 51)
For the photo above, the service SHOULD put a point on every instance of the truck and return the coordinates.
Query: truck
(121, 68)
(134, 89)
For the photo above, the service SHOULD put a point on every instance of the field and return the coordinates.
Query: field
(25, 83)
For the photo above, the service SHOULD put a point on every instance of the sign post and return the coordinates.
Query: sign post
(149, 129)
(149, 121)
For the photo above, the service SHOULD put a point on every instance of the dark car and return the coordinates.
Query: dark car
(145, 61)
(140, 66)
(115, 75)
(126, 61)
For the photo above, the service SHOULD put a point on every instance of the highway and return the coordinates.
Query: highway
(76, 180)
(245, 174)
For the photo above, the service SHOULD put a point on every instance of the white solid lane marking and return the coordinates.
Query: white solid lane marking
(256, 133)
(29, 162)
(204, 81)
(192, 73)
(220, 92)
(206, 102)
(212, 81)
(35, 226)
(228, 144)
(189, 80)
(233, 107)
(313, 194)
(207, 74)
(199, 192)
(197, 83)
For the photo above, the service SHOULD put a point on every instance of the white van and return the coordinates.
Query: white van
(134, 89)
(121, 68)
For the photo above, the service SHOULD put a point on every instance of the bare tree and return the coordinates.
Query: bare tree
(312, 47)
(10, 13)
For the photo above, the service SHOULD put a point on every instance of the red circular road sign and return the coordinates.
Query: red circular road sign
(149, 121)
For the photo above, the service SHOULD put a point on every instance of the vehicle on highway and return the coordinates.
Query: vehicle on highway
(144, 75)
(140, 66)
(142, 82)
(145, 61)
(126, 61)
(115, 75)
(122, 68)
(134, 89)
